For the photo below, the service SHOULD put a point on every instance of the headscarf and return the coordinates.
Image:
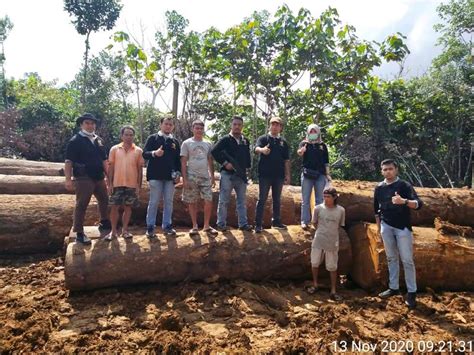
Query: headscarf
(318, 130)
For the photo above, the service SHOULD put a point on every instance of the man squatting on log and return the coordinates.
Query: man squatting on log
(86, 161)
(393, 199)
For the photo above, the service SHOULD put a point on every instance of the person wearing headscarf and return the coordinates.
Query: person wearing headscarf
(315, 171)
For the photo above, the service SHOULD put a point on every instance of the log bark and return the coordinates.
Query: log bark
(181, 214)
(453, 205)
(232, 255)
(34, 223)
(30, 167)
(39, 223)
(441, 261)
(32, 185)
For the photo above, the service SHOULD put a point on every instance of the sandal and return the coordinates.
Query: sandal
(311, 290)
(211, 231)
(335, 297)
(127, 235)
(193, 231)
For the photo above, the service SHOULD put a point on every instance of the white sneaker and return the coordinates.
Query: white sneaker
(109, 237)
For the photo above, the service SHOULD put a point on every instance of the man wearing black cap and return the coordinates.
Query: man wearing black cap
(86, 161)
(273, 172)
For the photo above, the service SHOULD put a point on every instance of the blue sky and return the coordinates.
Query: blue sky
(44, 41)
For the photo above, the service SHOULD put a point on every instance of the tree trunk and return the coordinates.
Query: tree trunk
(453, 205)
(30, 167)
(441, 261)
(35, 223)
(232, 255)
(86, 65)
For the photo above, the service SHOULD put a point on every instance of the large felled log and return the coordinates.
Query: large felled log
(181, 214)
(39, 223)
(39, 168)
(454, 205)
(30, 167)
(32, 185)
(232, 255)
(442, 261)
(35, 223)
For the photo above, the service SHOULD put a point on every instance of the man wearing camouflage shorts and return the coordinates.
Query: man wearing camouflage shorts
(198, 176)
(125, 179)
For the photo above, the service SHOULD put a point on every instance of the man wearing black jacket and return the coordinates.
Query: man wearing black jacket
(162, 153)
(393, 200)
(232, 152)
(86, 161)
(273, 172)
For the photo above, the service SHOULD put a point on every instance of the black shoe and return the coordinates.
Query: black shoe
(150, 232)
(410, 300)
(104, 226)
(221, 228)
(82, 238)
(258, 229)
(389, 293)
(170, 232)
(279, 225)
(246, 228)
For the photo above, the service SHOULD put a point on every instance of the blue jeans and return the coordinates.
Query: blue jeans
(227, 183)
(264, 185)
(160, 189)
(307, 186)
(398, 244)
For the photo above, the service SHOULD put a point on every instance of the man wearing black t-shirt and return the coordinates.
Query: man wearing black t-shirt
(393, 200)
(86, 161)
(273, 171)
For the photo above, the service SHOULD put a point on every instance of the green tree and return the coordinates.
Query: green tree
(5, 27)
(92, 16)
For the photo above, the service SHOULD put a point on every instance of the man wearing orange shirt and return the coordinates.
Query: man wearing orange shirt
(125, 179)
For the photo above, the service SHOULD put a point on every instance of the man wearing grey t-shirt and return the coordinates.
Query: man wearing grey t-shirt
(327, 217)
(198, 176)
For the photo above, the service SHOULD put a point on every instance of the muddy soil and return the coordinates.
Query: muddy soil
(39, 315)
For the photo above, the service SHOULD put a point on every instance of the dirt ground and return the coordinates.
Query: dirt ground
(39, 315)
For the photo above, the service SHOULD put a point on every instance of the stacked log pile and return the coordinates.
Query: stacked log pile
(36, 214)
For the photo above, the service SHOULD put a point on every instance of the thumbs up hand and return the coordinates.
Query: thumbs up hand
(159, 152)
(397, 199)
(266, 150)
(303, 148)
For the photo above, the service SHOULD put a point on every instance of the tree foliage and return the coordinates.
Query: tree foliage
(92, 16)
(302, 67)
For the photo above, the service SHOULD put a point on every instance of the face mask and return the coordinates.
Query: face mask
(313, 136)
(87, 133)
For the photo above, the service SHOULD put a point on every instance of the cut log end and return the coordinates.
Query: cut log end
(441, 261)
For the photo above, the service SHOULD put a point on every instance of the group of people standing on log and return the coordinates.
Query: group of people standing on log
(115, 179)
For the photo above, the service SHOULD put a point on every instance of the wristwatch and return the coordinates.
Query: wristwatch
(406, 201)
